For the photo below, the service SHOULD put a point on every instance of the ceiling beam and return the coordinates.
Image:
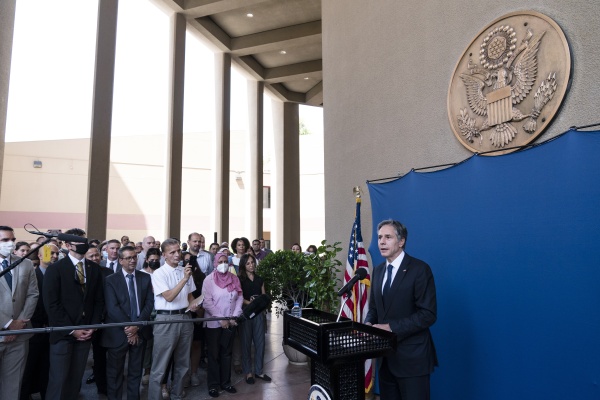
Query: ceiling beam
(314, 97)
(292, 71)
(253, 67)
(280, 91)
(212, 32)
(276, 39)
(203, 8)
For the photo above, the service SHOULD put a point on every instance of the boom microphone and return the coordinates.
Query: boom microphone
(359, 275)
(257, 306)
(62, 236)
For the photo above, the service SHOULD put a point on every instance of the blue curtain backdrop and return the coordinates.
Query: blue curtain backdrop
(513, 242)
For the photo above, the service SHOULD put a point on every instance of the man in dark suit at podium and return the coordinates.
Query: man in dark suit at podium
(129, 298)
(403, 301)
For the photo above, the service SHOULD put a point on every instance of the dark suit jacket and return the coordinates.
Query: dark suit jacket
(64, 301)
(118, 308)
(410, 310)
(106, 263)
(39, 319)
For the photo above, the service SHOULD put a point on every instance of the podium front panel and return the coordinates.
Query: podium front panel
(317, 335)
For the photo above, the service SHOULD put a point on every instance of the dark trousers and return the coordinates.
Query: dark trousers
(394, 388)
(35, 377)
(253, 331)
(67, 365)
(116, 365)
(219, 358)
(99, 354)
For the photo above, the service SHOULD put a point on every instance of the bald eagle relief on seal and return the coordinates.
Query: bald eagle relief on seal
(506, 75)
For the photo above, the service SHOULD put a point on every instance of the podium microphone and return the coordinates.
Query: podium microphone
(259, 305)
(360, 274)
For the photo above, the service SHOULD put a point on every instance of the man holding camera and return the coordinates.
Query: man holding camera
(172, 297)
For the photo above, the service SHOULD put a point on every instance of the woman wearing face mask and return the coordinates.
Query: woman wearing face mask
(222, 298)
(254, 329)
(152, 261)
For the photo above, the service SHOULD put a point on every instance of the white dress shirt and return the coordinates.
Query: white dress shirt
(395, 267)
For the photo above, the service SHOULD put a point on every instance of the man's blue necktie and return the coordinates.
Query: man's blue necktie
(132, 299)
(8, 275)
(388, 282)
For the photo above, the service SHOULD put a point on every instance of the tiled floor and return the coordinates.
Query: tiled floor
(290, 382)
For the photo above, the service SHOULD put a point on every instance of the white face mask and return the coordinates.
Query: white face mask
(6, 248)
(223, 268)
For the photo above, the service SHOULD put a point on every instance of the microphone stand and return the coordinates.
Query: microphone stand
(20, 260)
(348, 297)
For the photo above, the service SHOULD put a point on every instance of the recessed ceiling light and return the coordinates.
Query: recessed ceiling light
(306, 78)
(283, 52)
(249, 15)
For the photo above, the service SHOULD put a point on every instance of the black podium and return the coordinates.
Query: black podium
(337, 349)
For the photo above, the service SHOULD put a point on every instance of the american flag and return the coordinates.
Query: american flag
(357, 306)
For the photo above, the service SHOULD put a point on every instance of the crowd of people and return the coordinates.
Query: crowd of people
(91, 282)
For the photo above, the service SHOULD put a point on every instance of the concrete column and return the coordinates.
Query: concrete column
(7, 25)
(175, 133)
(102, 104)
(287, 175)
(255, 171)
(222, 143)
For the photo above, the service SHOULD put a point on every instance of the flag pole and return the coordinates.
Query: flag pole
(356, 289)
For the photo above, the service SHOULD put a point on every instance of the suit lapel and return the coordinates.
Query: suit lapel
(125, 290)
(378, 285)
(3, 281)
(15, 274)
(88, 277)
(138, 282)
(401, 272)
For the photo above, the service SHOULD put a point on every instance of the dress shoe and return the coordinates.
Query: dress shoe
(230, 389)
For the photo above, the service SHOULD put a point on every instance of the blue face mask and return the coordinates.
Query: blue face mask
(105, 255)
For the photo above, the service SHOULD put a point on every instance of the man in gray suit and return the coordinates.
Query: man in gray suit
(112, 262)
(18, 298)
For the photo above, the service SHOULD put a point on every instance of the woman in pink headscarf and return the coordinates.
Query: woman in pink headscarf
(222, 298)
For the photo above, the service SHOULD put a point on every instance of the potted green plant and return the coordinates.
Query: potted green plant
(321, 279)
(285, 278)
(304, 279)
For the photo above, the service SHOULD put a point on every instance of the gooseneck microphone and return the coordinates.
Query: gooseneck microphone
(360, 274)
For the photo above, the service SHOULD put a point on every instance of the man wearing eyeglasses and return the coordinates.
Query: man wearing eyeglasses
(73, 295)
(129, 298)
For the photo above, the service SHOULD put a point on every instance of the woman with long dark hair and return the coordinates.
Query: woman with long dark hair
(252, 330)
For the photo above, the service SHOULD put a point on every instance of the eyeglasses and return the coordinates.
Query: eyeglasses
(128, 258)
